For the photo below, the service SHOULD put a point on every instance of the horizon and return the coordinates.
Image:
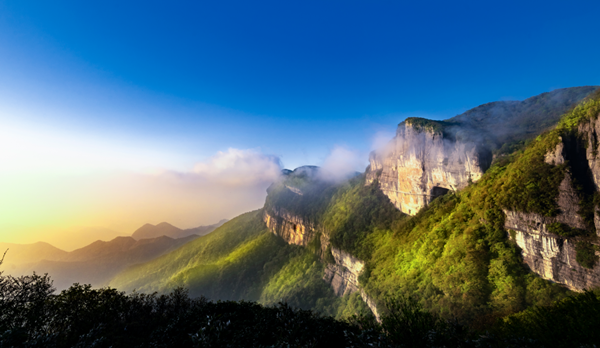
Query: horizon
(184, 114)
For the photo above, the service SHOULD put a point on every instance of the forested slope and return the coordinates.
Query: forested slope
(455, 256)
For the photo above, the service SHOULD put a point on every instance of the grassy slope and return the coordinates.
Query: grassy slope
(239, 260)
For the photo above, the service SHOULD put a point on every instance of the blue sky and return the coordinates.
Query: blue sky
(293, 78)
(170, 84)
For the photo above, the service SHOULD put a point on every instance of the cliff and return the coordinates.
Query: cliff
(422, 163)
(342, 273)
(547, 251)
(428, 158)
(551, 256)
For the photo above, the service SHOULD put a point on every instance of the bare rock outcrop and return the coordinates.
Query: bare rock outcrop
(343, 274)
(552, 256)
(293, 229)
(591, 132)
(420, 163)
(549, 255)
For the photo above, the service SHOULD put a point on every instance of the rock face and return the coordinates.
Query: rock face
(420, 164)
(549, 255)
(293, 229)
(591, 132)
(343, 274)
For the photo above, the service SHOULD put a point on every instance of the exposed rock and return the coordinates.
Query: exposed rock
(294, 189)
(343, 274)
(371, 303)
(591, 131)
(568, 204)
(549, 255)
(293, 229)
(552, 256)
(419, 164)
(556, 156)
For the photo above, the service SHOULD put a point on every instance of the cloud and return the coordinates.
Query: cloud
(341, 163)
(382, 143)
(54, 208)
(239, 168)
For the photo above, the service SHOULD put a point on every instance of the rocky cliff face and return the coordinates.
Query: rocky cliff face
(293, 229)
(420, 164)
(591, 132)
(550, 255)
(342, 275)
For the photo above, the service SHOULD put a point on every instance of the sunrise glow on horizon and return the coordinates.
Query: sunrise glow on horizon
(115, 115)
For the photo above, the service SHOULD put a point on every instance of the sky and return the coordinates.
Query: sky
(114, 114)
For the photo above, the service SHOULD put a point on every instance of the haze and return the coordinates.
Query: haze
(115, 115)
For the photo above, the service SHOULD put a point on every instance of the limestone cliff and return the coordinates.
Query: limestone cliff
(421, 163)
(293, 229)
(591, 132)
(550, 255)
(342, 274)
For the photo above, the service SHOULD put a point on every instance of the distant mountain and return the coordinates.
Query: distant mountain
(29, 253)
(166, 229)
(506, 122)
(153, 231)
(72, 240)
(98, 262)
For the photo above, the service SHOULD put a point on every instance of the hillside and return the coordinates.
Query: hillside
(510, 122)
(468, 253)
(240, 260)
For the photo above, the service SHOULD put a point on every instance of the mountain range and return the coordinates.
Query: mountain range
(99, 261)
(478, 217)
(166, 229)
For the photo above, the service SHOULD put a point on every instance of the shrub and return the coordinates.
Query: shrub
(586, 254)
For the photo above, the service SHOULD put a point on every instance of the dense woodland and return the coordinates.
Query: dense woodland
(31, 315)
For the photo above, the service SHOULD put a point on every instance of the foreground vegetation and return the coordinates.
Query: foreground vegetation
(31, 315)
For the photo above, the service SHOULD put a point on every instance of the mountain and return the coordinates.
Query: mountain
(98, 262)
(74, 239)
(165, 229)
(427, 158)
(17, 254)
(488, 237)
(240, 260)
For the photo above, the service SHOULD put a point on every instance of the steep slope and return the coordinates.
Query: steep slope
(455, 255)
(240, 260)
(429, 158)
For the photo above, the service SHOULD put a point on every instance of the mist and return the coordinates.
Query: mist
(342, 163)
(69, 211)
